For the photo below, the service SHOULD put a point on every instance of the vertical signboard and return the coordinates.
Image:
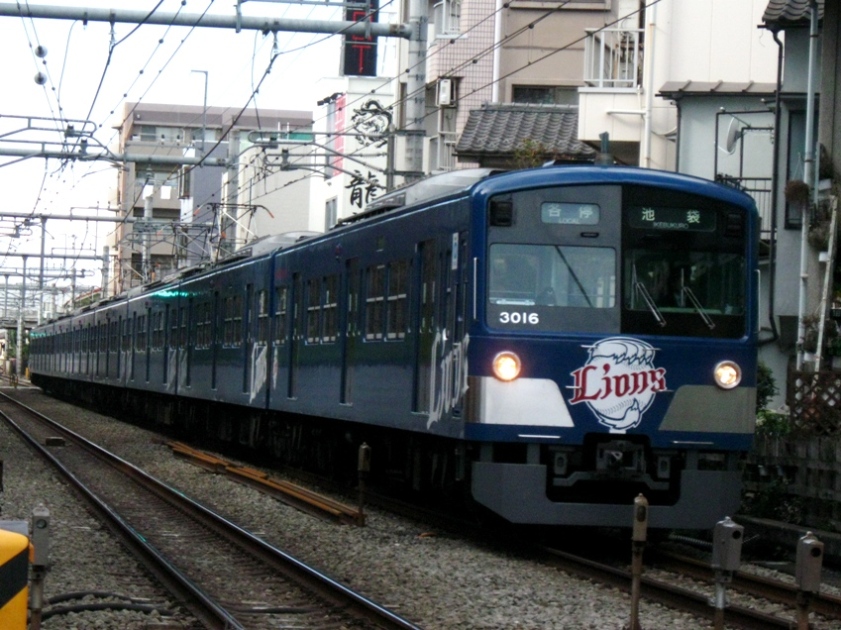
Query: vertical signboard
(359, 53)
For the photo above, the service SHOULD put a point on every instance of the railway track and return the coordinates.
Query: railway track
(662, 583)
(225, 576)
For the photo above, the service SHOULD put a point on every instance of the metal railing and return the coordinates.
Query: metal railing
(613, 58)
(441, 153)
(760, 189)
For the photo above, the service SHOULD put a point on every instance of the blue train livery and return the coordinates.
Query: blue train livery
(552, 342)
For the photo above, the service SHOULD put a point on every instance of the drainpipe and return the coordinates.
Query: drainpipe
(651, 19)
(497, 51)
(775, 195)
(808, 177)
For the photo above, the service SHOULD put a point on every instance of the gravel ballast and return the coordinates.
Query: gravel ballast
(437, 580)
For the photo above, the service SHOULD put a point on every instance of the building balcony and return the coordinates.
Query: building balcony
(613, 59)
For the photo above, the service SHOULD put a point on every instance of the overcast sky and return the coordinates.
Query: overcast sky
(151, 64)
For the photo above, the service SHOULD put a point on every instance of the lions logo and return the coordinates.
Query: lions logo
(618, 382)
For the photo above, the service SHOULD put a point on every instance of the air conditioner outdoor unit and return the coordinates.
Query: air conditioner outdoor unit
(445, 92)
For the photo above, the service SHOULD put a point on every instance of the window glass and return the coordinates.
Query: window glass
(552, 275)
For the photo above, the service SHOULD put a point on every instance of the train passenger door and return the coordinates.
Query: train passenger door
(350, 326)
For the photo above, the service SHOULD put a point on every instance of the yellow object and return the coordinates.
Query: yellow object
(14, 575)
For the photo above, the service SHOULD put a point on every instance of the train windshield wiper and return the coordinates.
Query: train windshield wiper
(698, 307)
(649, 301)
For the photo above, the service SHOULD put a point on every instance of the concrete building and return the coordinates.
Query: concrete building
(178, 215)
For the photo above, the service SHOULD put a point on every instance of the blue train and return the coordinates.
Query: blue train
(554, 341)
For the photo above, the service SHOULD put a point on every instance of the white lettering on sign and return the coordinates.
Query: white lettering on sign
(618, 382)
(447, 377)
(519, 318)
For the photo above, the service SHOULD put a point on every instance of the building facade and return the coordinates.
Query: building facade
(175, 213)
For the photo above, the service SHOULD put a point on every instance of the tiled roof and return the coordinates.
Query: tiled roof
(501, 128)
(676, 89)
(782, 13)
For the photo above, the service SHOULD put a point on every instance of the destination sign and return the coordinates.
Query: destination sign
(676, 219)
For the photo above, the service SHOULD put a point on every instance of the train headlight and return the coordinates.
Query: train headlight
(727, 375)
(506, 366)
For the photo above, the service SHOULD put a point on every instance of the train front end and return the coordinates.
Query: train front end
(613, 347)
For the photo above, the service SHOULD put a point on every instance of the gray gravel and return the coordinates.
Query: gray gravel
(437, 580)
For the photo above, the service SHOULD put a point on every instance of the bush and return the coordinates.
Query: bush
(766, 387)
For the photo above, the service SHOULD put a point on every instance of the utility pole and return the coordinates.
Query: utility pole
(147, 237)
(416, 84)
(105, 256)
(19, 344)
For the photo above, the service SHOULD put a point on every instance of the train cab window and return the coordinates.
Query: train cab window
(684, 267)
(552, 275)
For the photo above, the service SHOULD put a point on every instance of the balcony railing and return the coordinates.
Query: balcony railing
(760, 189)
(441, 152)
(613, 58)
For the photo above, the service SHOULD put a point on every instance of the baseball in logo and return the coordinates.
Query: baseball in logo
(618, 382)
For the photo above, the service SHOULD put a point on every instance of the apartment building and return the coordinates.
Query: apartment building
(181, 215)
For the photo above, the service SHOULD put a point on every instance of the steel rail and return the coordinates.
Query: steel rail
(668, 594)
(282, 562)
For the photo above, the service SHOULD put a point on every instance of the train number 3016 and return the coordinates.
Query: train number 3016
(518, 318)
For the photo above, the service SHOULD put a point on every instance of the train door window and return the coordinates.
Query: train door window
(166, 341)
(330, 307)
(463, 286)
(119, 336)
(114, 343)
(280, 315)
(247, 336)
(157, 330)
(426, 325)
(398, 288)
(144, 332)
(173, 328)
(236, 322)
(227, 321)
(374, 302)
(188, 325)
(297, 310)
(199, 325)
(262, 309)
(126, 342)
(351, 328)
(214, 338)
(313, 311)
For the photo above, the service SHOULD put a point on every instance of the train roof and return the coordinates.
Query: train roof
(434, 187)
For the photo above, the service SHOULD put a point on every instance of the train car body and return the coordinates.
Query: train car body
(557, 340)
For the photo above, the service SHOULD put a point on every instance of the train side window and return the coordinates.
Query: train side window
(330, 309)
(173, 327)
(200, 324)
(237, 307)
(313, 312)
(140, 339)
(374, 302)
(398, 289)
(262, 317)
(207, 325)
(281, 307)
(114, 341)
